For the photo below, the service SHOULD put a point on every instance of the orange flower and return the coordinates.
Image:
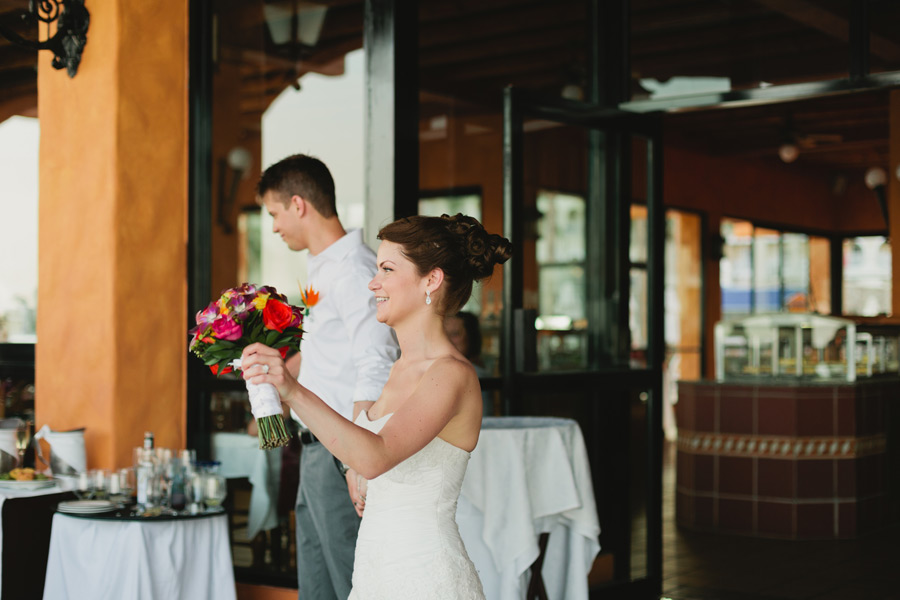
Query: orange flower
(309, 296)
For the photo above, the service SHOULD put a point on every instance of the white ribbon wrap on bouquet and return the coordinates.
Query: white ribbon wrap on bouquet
(264, 399)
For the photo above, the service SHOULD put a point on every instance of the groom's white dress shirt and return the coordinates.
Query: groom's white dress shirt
(346, 354)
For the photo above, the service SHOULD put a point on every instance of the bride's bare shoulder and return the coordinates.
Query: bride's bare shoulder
(451, 368)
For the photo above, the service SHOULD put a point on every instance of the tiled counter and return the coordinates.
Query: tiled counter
(790, 461)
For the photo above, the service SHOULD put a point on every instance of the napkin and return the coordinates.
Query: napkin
(66, 450)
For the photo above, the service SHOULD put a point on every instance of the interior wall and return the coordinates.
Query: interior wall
(767, 191)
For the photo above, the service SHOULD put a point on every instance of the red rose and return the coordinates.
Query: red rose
(277, 315)
(215, 369)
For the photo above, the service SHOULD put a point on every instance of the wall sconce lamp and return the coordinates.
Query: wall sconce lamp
(236, 166)
(72, 21)
(876, 179)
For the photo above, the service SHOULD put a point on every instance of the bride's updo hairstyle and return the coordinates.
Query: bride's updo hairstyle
(459, 246)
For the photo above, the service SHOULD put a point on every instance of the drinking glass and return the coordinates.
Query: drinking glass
(83, 486)
(188, 457)
(195, 490)
(23, 440)
(99, 483)
(126, 481)
(214, 490)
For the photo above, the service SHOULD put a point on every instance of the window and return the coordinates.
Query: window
(560, 251)
(769, 270)
(867, 276)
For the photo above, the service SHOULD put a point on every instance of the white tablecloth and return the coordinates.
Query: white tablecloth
(99, 559)
(240, 456)
(6, 493)
(530, 475)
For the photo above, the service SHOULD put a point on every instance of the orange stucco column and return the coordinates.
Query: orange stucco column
(112, 307)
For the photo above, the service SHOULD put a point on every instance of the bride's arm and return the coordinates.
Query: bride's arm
(443, 393)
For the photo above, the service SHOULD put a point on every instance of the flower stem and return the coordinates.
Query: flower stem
(272, 432)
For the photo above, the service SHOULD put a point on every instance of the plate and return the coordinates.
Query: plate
(83, 507)
(33, 484)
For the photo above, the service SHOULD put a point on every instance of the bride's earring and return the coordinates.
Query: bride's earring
(427, 296)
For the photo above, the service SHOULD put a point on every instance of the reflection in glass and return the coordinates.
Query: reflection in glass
(638, 244)
(467, 204)
(637, 317)
(560, 253)
(561, 229)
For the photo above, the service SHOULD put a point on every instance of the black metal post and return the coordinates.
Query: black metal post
(656, 351)
(513, 229)
(859, 39)
(199, 210)
(390, 38)
(836, 244)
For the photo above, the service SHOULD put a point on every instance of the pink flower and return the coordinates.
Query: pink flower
(207, 315)
(226, 329)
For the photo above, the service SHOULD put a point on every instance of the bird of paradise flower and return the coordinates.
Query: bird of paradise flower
(309, 296)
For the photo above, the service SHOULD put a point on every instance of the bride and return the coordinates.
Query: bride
(413, 443)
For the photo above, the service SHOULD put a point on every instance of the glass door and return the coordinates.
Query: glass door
(583, 327)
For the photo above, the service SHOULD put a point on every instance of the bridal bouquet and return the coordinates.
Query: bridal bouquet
(240, 317)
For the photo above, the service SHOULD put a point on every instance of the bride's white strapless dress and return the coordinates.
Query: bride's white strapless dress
(409, 546)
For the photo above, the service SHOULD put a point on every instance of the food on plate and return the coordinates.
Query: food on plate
(25, 474)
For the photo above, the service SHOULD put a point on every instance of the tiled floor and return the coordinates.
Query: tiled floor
(702, 566)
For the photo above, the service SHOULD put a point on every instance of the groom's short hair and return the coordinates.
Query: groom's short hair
(304, 176)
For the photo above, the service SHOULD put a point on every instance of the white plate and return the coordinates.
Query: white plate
(86, 506)
(34, 484)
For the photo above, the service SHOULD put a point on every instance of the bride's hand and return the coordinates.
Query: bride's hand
(262, 364)
(357, 486)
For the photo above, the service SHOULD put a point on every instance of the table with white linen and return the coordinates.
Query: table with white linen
(240, 456)
(28, 515)
(149, 559)
(527, 476)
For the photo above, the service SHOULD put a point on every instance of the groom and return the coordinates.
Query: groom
(346, 358)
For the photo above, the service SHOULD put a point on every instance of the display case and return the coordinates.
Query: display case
(805, 346)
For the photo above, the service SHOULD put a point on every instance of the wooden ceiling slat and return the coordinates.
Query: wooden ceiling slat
(534, 19)
(446, 12)
(727, 35)
(15, 57)
(691, 15)
(811, 15)
(492, 67)
(508, 45)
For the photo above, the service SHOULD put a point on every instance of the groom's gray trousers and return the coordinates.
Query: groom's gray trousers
(327, 526)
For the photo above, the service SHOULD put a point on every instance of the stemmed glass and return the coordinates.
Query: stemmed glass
(23, 440)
